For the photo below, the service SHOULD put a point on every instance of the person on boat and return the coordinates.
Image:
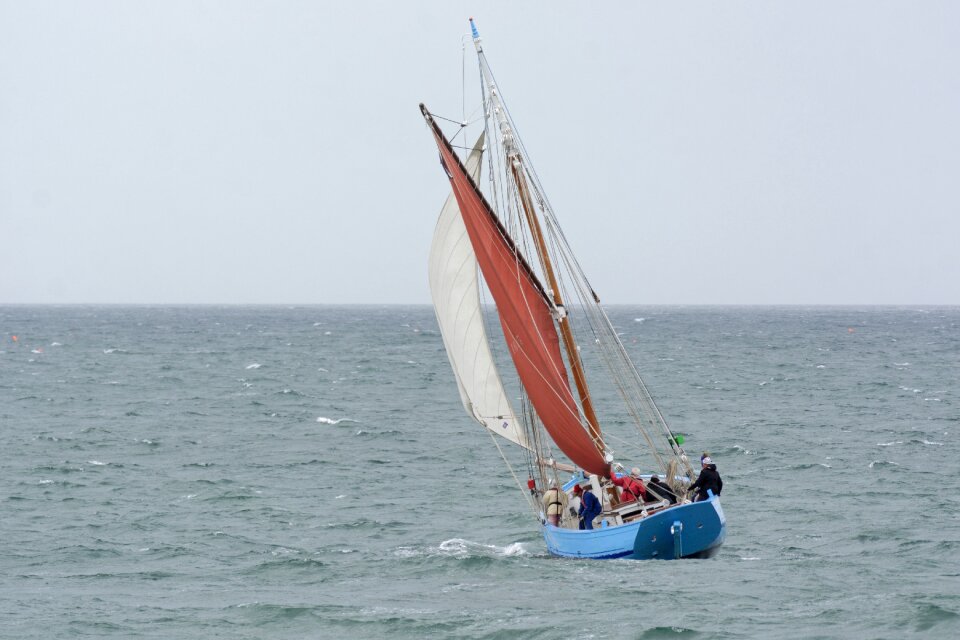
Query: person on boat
(589, 507)
(709, 480)
(632, 486)
(554, 502)
(657, 490)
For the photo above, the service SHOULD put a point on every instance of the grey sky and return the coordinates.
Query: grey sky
(272, 152)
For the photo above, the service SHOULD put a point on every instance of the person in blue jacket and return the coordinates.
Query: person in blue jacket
(589, 507)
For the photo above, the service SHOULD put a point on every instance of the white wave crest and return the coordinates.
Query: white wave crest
(325, 420)
(255, 365)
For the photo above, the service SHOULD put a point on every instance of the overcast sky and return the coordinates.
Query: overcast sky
(273, 152)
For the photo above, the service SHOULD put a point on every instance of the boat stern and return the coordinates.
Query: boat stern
(693, 530)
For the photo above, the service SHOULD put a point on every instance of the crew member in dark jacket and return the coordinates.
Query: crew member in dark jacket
(709, 480)
(589, 507)
(657, 490)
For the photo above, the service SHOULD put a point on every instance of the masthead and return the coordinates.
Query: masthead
(476, 36)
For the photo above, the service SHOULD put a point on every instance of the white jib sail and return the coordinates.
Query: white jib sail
(455, 289)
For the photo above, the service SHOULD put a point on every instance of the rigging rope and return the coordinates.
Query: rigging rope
(533, 505)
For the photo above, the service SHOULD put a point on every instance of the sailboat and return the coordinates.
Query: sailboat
(571, 373)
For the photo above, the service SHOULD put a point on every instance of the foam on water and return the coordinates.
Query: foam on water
(325, 420)
(461, 547)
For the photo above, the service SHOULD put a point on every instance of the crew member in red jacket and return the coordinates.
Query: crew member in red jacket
(632, 486)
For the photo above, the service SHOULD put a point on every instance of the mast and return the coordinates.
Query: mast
(515, 161)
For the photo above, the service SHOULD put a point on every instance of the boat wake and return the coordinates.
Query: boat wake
(465, 549)
(461, 547)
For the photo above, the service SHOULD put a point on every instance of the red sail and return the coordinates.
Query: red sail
(524, 316)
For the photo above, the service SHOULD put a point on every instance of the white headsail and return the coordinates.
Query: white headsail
(455, 289)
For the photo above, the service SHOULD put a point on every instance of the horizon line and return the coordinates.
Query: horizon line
(428, 304)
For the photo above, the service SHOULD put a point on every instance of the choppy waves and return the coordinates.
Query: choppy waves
(337, 489)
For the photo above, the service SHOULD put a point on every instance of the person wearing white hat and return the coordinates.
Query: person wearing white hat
(709, 480)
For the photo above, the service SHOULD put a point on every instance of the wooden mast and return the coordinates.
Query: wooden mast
(579, 377)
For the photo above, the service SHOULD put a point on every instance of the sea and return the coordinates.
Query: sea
(309, 472)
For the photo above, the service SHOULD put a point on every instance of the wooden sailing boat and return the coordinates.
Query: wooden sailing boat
(544, 305)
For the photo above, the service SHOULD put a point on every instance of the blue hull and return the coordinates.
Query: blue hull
(694, 530)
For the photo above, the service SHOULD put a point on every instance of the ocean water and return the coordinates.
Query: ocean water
(308, 472)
